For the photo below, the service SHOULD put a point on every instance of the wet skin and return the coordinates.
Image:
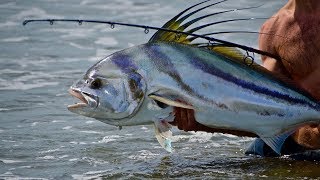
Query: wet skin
(298, 22)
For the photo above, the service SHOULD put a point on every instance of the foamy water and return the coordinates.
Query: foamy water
(40, 139)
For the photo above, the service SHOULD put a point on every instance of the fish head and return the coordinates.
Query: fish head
(108, 93)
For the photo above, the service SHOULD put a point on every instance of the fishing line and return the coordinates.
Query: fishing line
(233, 32)
(147, 28)
(216, 13)
(173, 22)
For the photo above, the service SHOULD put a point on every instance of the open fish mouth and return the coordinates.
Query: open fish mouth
(87, 100)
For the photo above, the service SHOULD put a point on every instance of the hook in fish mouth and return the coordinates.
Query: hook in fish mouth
(87, 100)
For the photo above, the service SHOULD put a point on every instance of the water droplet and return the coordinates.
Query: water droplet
(51, 22)
(112, 26)
(80, 22)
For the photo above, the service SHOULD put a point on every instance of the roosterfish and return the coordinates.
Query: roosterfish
(141, 85)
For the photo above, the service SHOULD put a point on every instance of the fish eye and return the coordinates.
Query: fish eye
(96, 84)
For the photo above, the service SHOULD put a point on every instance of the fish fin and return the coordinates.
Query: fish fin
(175, 24)
(172, 24)
(276, 142)
(177, 32)
(170, 102)
(256, 147)
(163, 132)
(229, 52)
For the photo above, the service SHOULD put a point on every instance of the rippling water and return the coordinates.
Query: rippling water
(41, 139)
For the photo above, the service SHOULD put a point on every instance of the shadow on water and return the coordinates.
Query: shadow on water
(247, 167)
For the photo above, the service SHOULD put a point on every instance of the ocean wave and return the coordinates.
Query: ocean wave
(3, 110)
(8, 5)
(33, 12)
(24, 80)
(10, 161)
(93, 161)
(10, 175)
(67, 128)
(34, 123)
(90, 122)
(91, 132)
(108, 139)
(58, 121)
(200, 137)
(46, 158)
(15, 39)
(107, 41)
(63, 156)
(49, 151)
(143, 154)
(91, 175)
(8, 24)
(118, 5)
(74, 32)
(25, 86)
(80, 46)
(81, 143)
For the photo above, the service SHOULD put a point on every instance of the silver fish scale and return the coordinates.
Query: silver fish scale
(232, 94)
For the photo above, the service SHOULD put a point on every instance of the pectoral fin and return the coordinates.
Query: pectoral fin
(276, 142)
(170, 102)
(256, 147)
(163, 132)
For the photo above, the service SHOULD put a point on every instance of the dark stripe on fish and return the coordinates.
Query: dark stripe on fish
(127, 66)
(212, 69)
(163, 64)
(125, 63)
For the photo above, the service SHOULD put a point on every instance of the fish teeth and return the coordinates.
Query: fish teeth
(89, 100)
(77, 105)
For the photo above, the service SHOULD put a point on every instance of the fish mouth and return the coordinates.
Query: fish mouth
(86, 100)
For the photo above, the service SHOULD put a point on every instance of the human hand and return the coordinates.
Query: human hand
(308, 136)
(185, 120)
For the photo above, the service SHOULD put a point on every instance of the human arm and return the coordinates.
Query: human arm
(290, 66)
(185, 120)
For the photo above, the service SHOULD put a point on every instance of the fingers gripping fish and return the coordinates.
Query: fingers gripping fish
(142, 85)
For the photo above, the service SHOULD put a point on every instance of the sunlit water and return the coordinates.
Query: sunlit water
(41, 139)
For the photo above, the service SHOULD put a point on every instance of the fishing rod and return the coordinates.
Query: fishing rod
(147, 28)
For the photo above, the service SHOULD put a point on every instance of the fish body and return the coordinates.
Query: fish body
(226, 89)
(142, 84)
